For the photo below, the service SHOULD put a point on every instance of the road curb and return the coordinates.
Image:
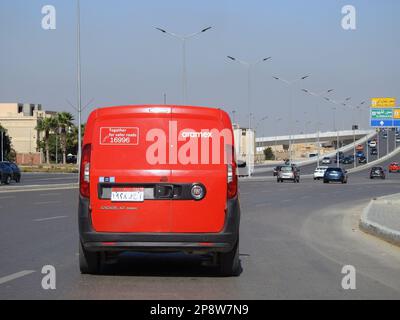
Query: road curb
(376, 229)
(48, 187)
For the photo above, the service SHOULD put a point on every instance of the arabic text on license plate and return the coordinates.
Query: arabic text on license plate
(127, 194)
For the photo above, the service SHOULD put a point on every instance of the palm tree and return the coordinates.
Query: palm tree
(47, 125)
(64, 120)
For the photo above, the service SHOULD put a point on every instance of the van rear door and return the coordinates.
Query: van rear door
(193, 127)
(121, 170)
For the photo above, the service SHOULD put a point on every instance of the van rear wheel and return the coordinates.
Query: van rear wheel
(229, 263)
(89, 262)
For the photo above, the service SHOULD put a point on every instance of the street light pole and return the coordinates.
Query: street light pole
(249, 67)
(318, 95)
(276, 137)
(184, 39)
(79, 87)
(290, 84)
(335, 128)
(2, 145)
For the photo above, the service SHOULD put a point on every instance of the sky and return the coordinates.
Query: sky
(125, 60)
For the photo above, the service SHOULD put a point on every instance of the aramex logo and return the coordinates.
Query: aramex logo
(196, 134)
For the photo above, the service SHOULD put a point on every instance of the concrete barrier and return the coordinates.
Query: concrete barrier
(381, 218)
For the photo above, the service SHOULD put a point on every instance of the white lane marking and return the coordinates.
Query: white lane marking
(45, 202)
(49, 194)
(15, 276)
(51, 218)
(9, 197)
(305, 197)
(287, 200)
(50, 179)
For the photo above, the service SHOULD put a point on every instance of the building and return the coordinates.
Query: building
(245, 142)
(21, 121)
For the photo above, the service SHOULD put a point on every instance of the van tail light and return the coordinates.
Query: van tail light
(84, 180)
(232, 180)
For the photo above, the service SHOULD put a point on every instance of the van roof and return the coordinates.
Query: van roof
(176, 109)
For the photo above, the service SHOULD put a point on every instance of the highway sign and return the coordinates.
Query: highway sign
(382, 123)
(384, 113)
(377, 114)
(383, 102)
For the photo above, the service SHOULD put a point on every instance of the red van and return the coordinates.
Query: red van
(158, 179)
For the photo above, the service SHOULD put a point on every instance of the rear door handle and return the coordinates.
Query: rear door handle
(164, 191)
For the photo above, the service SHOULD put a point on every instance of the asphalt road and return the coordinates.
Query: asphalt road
(295, 239)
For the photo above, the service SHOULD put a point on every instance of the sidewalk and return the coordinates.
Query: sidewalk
(381, 218)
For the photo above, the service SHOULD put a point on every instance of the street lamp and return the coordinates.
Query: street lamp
(344, 103)
(318, 95)
(354, 130)
(290, 84)
(184, 38)
(276, 137)
(2, 144)
(249, 67)
(79, 87)
(260, 121)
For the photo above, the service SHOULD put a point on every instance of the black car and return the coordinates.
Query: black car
(16, 176)
(377, 172)
(348, 160)
(6, 173)
(374, 152)
(335, 175)
(362, 160)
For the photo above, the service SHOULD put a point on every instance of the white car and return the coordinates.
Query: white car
(319, 172)
(326, 160)
(372, 144)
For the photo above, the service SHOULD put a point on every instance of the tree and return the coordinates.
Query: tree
(72, 141)
(8, 152)
(46, 126)
(269, 155)
(65, 124)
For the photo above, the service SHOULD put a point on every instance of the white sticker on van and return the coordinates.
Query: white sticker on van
(124, 136)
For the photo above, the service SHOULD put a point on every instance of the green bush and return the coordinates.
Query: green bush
(269, 155)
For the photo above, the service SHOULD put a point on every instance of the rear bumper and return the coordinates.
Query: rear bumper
(160, 242)
(334, 179)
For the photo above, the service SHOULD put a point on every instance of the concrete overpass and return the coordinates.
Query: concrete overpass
(325, 137)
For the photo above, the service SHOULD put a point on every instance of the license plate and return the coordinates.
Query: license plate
(127, 194)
